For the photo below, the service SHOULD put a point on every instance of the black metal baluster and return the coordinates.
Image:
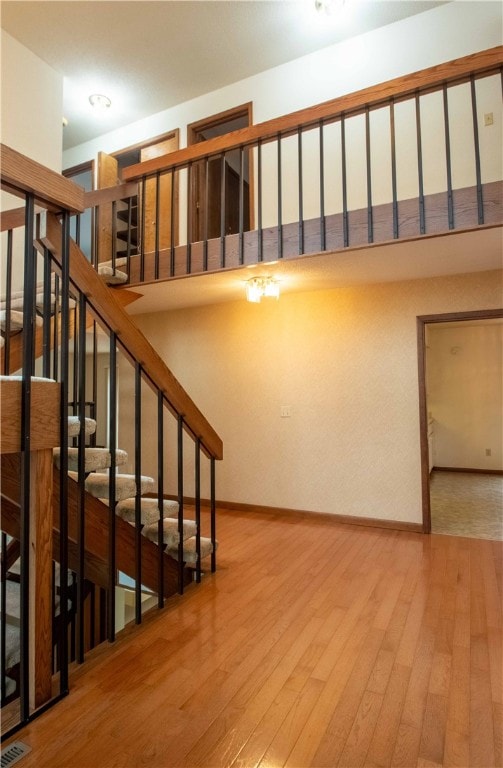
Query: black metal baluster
(422, 225)
(3, 625)
(143, 219)
(112, 489)
(206, 212)
(56, 328)
(480, 200)
(8, 295)
(180, 504)
(222, 212)
(82, 475)
(46, 315)
(345, 227)
(172, 226)
(450, 207)
(157, 222)
(189, 220)
(213, 522)
(280, 201)
(370, 222)
(393, 167)
(63, 479)
(77, 229)
(323, 224)
(114, 236)
(95, 250)
(160, 494)
(198, 508)
(94, 395)
(260, 234)
(137, 507)
(301, 191)
(241, 204)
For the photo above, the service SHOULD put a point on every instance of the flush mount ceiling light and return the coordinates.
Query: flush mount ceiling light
(261, 286)
(99, 102)
(329, 7)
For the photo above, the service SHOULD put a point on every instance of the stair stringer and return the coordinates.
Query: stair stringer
(96, 533)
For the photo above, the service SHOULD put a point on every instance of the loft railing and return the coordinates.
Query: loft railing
(60, 323)
(404, 159)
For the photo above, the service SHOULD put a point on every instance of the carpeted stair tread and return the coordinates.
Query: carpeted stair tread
(149, 510)
(125, 485)
(16, 321)
(189, 549)
(74, 426)
(111, 276)
(170, 531)
(95, 460)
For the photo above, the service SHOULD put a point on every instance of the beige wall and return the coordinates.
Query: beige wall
(32, 104)
(345, 360)
(465, 394)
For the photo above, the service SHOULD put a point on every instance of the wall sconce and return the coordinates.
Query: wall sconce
(261, 286)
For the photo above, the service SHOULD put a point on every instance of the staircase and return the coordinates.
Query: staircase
(60, 333)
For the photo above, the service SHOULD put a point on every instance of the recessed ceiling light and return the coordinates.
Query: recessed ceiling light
(99, 102)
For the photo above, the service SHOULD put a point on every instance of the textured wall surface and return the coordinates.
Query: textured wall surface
(344, 360)
(465, 395)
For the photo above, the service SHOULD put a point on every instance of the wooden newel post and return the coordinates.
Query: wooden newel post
(45, 435)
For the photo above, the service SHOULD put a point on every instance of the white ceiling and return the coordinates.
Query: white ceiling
(476, 251)
(148, 56)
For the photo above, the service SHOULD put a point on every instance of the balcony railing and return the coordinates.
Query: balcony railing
(409, 158)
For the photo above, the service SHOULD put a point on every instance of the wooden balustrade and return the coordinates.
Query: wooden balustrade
(458, 70)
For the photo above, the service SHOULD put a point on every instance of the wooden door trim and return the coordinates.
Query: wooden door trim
(422, 322)
(175, 133)
(193, 131)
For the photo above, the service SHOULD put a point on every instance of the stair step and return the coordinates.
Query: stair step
(16, 320)
(96, 459)
(170, 531)
(74, 426)
(125, 486)
(110, 275)
(189, 550)
(149, 510)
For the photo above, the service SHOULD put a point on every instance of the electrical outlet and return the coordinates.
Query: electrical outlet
(488, 451)
(488, 118)
(285, 411)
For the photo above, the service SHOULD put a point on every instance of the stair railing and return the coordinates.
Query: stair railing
(381, 164)
(73, 326)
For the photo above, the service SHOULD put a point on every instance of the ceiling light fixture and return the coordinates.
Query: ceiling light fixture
(329, 7)
(99, 102)
(261, 286)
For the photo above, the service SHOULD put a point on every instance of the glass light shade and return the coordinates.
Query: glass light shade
(254, 290)
(261, 286)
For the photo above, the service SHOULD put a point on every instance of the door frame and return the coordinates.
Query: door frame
(173, 134)
(422, 322)
(213, 121)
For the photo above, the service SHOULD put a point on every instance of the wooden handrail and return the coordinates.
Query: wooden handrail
(104, 304)
(109, 194)
(22, 175)
(399, 88)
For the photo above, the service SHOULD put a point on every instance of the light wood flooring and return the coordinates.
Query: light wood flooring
(315, 644)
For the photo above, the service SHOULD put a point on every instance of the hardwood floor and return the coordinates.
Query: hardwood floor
(315, 644)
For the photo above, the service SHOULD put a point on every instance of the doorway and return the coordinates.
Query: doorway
(461, 415)
(216, 212)
(156, 203)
